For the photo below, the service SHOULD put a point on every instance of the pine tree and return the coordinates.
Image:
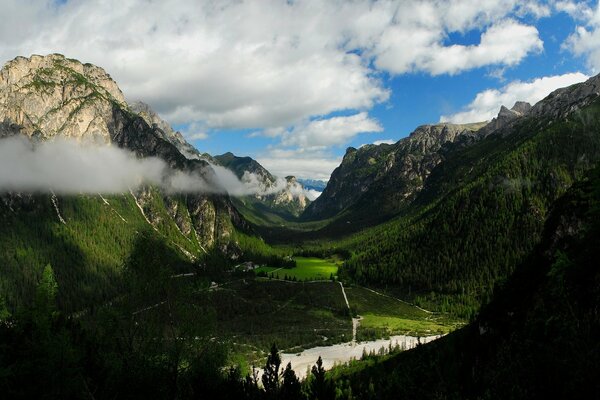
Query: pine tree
(319, 388)
(271, 375)
(290, 387)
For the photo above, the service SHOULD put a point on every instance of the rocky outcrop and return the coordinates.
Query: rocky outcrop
(565, 101)
(43, 97)
(505, 118)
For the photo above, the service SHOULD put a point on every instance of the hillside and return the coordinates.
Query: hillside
(536, 339)
(87, 237)
(384, 177)
(480, 211)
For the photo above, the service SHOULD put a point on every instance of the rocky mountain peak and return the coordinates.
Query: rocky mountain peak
(505, 117)
(521, 107)
(53, 95)
(564, 101)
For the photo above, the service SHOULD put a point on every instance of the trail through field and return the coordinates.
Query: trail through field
(355, 320)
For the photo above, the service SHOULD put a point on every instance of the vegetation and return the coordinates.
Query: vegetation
(382, 316)
(536, 339)
(481, 214)
(306, 269)
(299, 315)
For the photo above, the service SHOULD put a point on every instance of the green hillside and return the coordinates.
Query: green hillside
(536, 339)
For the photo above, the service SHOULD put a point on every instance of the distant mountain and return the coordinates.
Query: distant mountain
(282, 196)
(313, 184)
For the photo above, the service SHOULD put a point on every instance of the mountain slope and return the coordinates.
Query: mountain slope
(536, 339)
(87, 237)
(481, 210)
(384, 177)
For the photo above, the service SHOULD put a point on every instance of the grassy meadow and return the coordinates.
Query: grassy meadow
(307, 269)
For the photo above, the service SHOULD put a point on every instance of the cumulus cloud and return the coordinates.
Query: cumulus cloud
(504, 43)
(230, 64)
(330, 131)
(585, 41)
(302, 164)
(312, 194)
(486, 104)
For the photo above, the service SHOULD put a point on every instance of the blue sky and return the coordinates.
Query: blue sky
(293, 84)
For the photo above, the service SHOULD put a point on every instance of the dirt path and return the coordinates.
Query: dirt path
(355, 320)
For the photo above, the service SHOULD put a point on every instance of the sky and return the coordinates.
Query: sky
(294, 83)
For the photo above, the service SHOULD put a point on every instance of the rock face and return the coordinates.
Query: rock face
(43, 97)
(53, 95)
(167, 132)
(505, 117)
(384, 177)
(284, 196)
(564, 101)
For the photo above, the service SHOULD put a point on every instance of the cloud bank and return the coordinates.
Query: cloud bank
(70, 167)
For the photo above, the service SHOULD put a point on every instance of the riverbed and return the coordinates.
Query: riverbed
(344, 352)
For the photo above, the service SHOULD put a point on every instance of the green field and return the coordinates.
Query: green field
(384, 315)
(307, 269)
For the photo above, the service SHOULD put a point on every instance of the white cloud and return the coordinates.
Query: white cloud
(504, 43)
(578, 10)
(333, 131)
(585, 41)
(197, 136)
(486, 104)
(312, 194)
(265, 64)
(70, 167)
(303, 165)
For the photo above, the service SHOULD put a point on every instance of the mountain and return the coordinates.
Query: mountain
(86, 238)
(537, 339)
(384, 177)
(482, 209)
(284, 197)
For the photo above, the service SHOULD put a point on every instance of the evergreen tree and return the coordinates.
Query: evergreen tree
(271, 375)
(290, 387)
(319, 388)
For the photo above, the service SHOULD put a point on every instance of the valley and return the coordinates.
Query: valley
(429, 266)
